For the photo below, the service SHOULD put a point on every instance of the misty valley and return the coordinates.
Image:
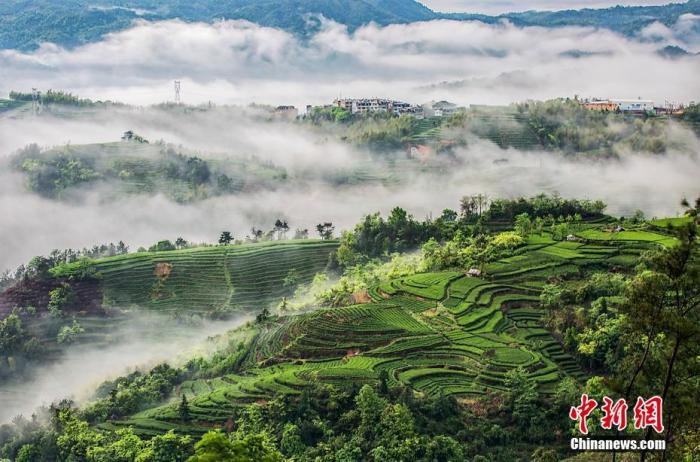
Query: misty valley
(370, 231)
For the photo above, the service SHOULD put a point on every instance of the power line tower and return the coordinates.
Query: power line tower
(177, 92)
(36, 101)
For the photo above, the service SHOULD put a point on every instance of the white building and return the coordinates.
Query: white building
(634, 105)
(363, 105)
(440, 108)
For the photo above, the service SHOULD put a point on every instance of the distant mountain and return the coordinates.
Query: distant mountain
(24, 24)
(625, 20)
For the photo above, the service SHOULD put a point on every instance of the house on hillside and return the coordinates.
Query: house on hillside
(640, 106)
(440, 109)
(632, 106)
(372, 105)
(474, 273)
(286, 112)
(601, 105)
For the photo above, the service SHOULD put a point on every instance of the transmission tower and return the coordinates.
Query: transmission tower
(177, 92)
(36, 101)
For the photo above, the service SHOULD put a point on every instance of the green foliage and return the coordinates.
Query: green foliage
(544, 206)
(51, 177)
(59, 298)
(216, 447)
(377, 237)
(12, 335)
(567, 125)
(134, 166)
(225, 238)
(167, 447)
(134, 392)
(73, 23)
(69, 334)
(437, 366)
(53, 97)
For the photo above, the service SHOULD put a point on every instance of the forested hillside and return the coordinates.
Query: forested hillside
(472, 348)
(75, 22)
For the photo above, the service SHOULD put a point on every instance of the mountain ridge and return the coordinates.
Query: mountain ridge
(25, 24)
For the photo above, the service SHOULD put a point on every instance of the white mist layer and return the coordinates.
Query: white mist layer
(147, 341)
(31, 225)
(239, 62)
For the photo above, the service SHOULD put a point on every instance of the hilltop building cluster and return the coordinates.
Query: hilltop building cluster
(381, 105)
(631, 106)
(365, 105)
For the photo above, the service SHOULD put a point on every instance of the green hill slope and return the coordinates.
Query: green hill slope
(441, 334)
(245, 277)
(70, 23)
(25, 25)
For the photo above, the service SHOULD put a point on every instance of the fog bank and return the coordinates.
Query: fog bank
(240, 62)
(145, 341)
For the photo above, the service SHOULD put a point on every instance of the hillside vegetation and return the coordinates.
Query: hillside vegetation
(76, 22)
(138, 167)
(474, 348)
(83, 301)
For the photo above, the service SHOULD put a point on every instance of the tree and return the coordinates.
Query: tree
(28, 453)
(300, 233)
(281, 228)
(538, 225)
(384, 382)
(39, 267)
(545, 455)
(12, 335)
(216, 447)
(180, 243)
(122, 248)
(325, 230)
(257, 234)
(69, 334)
(58, 299)
(168, 447)
(129, 135)
(523, 224)
(663, 308)
(162, 246)
(124, 447)
(449, 215)
(263, 316)
(225, 238)
(183, 409)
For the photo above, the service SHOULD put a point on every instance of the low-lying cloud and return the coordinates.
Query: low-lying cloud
(239, 62)
(34, 225)
(145, 341)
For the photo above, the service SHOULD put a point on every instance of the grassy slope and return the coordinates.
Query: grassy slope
(206, 278)
(440, 333)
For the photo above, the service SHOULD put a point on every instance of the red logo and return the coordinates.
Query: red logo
(615, 414)
(647, 413)
(581, 412)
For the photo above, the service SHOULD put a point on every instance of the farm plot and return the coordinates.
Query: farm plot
(202, 279)
(440, 333)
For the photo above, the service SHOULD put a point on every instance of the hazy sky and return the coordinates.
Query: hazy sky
(505, 6)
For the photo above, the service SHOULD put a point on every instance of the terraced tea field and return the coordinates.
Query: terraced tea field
(247, 277)
(440, 333)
